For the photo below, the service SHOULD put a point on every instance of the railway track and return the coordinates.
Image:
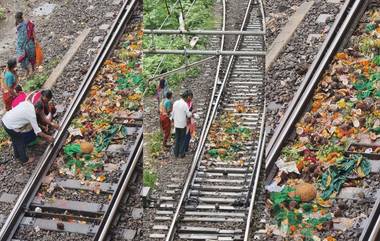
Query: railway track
(97, 181)
(217, 199)
(316, 140)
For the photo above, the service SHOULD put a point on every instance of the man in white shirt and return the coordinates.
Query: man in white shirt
(180, 114)
(21, 125)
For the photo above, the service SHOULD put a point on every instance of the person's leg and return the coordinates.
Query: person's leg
(187, 141)
(182, 142)
(28, 137)
(177, 141)
(18, 144)
(12, 136)
(21, 148)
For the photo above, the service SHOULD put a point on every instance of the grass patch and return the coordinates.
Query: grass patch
(155, 144)
(36, 81)
(150, 178)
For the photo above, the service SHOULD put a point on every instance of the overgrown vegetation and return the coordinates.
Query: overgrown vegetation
(198, 16)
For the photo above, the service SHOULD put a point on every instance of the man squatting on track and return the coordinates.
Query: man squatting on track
(21, 125)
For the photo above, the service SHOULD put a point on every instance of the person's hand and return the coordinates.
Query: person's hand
(50, 139)
(55, 126)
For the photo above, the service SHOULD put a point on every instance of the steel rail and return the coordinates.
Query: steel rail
(261, 149)
(353, 16)
(203, 32)
(208, 121)
(119, 193)
(371, 230)
(256, 174)
(26, 197)
(317, 61)
(187, 52)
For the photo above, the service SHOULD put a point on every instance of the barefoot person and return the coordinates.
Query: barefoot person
(165, 112)
(21, 125)
(180, 114)
(25, 43)
(9, 84)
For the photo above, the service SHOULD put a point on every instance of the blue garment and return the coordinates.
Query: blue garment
(9, 79)
(19, 142)
(167, 104)
(25, 46)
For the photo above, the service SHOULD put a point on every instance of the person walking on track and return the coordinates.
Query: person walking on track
(25, 43)
(21, 125)
(180, 114)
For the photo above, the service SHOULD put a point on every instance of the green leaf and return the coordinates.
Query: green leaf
(376, 60)
(213, 152)
(370, 27)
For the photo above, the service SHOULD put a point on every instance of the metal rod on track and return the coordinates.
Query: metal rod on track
(171, 42)
(203, 32)
(206, 52)
(181, 68)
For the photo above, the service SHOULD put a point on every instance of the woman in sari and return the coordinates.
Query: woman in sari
(165, 111)
(9, 84)
(25, 44)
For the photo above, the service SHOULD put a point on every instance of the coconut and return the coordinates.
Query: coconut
(86, 147)
(306, 191)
